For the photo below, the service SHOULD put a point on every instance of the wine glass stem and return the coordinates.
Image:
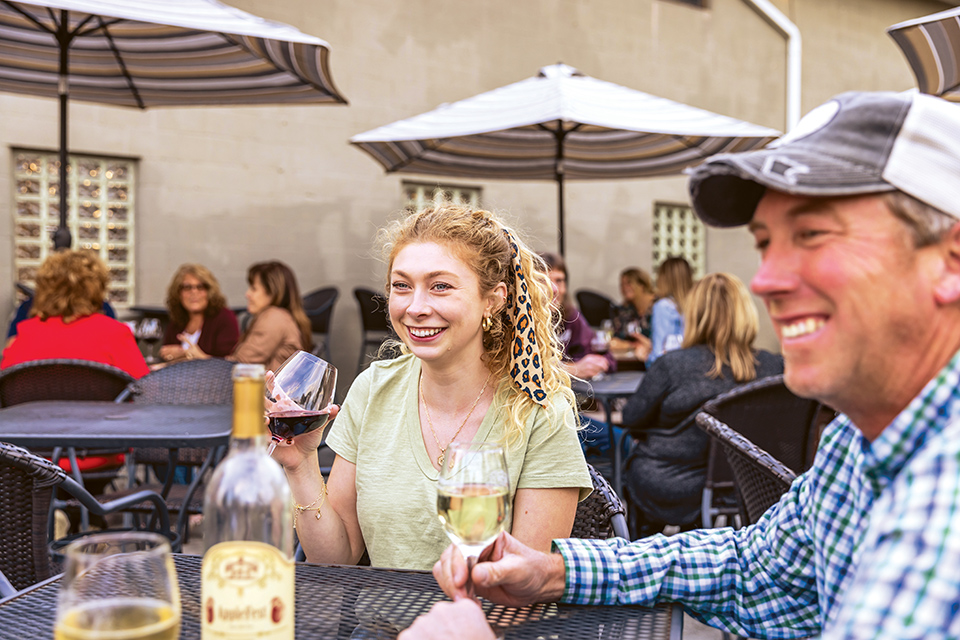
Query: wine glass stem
(272, 445)
(471, 563)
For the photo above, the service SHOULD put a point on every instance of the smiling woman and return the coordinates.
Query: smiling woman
(198, 315)
(471, 306)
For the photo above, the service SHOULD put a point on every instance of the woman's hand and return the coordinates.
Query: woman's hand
(642, 348)
(588, 366)
(292, 455)
(170, 352)
(195, 353)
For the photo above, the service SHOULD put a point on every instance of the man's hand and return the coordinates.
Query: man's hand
(462, 620)
(588, 366)
(508, 572)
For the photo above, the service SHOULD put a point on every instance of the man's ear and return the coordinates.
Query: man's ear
(947, 289)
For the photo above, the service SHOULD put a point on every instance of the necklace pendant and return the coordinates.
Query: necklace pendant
(440, 459)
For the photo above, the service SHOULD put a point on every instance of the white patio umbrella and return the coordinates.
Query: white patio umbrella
(559, 125)
(153, 53)
(932, 47)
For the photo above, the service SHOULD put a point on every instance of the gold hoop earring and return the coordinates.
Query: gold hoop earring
(486, 323)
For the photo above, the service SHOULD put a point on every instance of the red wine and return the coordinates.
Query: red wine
(289, 424)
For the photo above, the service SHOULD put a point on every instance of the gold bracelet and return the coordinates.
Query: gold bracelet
(298, 509)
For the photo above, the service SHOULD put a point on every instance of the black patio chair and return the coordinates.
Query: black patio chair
(374, 323)
(318, 305)
(27, 482)
(769, 415)
(600, 515)
(594, 306)
(761, 479)
(184, 383)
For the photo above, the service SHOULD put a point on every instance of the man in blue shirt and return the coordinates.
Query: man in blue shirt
(855, 216)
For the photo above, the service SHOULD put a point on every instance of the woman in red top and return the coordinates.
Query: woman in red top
(66, 321)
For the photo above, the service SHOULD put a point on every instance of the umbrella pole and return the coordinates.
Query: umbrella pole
(560, 134)
(61, 237)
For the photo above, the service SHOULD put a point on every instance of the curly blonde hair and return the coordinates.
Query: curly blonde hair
(216, 301)
(477, 237)
(71, 285)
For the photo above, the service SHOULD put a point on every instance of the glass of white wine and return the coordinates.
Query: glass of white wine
(473, 497)
(119, 586)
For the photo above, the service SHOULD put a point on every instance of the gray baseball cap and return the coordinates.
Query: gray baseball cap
(856, 143)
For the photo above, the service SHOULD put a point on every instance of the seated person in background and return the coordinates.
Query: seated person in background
(674, 281)
(67, 322)
(198, 315)
(666, 472)
(23, 312)
(631, 320)
(579, 359)
(279, 327)
(456, 282)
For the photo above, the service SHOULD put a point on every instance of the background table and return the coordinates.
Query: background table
(606, 389)
(362, 602)
(106, 425)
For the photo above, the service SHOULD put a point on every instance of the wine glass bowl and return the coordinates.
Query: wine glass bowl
(121, 586)
(299, 396)
(473, 495)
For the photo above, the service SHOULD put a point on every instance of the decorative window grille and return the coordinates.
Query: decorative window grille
(418, 195)
(101, 214)
(678, 232)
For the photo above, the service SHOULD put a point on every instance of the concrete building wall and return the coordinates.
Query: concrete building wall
(231, 186)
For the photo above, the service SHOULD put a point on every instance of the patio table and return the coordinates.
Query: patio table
(606, 389)
(103, 425)
(335, 601)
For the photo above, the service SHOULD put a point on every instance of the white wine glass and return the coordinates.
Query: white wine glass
(473, 497)
(299, 396)
(118, 586)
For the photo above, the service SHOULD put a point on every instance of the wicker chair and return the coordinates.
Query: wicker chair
(769, 415)
(600, 515)
(373, 321)
(61, 379)
(594, 306)
(318, 305)
(184, 383)
(27, 482)
(761, 479)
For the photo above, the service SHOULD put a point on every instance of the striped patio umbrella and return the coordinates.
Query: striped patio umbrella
(155, 53)
(932, 47)
(559, 125)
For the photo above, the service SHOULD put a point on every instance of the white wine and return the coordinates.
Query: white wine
(473, 514)
(119, 619)
(247, 580)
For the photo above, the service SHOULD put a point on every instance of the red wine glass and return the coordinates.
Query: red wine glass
(299, 396)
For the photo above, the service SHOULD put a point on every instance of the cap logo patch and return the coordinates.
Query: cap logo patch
(785, 168)
(815, 120)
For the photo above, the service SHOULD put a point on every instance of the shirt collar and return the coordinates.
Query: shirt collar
(927, 414)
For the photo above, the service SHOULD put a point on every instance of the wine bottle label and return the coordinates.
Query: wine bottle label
(246, 592)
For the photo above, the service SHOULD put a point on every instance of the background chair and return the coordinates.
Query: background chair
(772, 417)
(761, 479)
(374, 322)
(318, 305)
(184, 383)
(27, 482)
(600, 515)
(595, 307)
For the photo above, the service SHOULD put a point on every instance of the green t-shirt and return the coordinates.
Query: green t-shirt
(378, 430)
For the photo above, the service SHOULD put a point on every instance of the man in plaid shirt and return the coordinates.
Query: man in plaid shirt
(855, 216)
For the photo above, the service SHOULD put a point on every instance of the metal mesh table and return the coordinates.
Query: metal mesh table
(369, 603)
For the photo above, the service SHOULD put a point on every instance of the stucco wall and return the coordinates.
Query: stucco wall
(227, 187)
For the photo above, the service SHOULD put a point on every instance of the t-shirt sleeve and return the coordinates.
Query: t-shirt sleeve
(554, 458)
(344, 434)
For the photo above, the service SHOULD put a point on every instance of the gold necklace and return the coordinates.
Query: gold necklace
(426, 410)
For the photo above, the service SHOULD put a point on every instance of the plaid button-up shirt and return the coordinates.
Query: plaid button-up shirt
(864, 545)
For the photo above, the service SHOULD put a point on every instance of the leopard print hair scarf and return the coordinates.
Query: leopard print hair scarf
(526, 366)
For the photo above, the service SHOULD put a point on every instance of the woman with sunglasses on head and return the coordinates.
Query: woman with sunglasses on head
(481, 361)
(198, 316)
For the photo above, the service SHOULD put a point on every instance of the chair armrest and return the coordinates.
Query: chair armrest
(72, 487)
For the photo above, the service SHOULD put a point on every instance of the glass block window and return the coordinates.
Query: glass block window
(418, 195)
(677, 231)
(101, 214)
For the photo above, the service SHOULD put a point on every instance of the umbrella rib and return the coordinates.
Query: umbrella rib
(123, 66)
(102, 25)
(410, 159)
(30, 17)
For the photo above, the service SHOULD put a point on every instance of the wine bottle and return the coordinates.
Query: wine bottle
(247, 579)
